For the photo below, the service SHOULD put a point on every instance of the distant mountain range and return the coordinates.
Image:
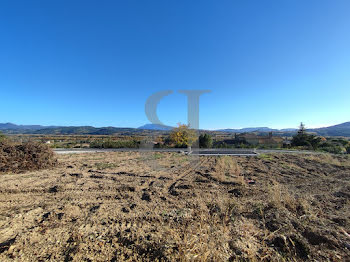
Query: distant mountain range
(155, 127)
(249, 129)
(337, 130)
(9, 128)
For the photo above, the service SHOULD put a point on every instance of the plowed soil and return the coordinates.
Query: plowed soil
(166, 206)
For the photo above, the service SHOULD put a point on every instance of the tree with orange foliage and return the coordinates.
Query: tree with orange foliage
(183, 136)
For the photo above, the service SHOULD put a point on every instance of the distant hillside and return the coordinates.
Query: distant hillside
(249, 129)
(155, 127)
(78, 130)
(66, 130)
(86, 130)
(288, 130)
(337, 130)
(9, 128)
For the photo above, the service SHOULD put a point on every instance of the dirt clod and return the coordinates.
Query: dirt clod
(146, 196)
(5, 245)
(53, 189)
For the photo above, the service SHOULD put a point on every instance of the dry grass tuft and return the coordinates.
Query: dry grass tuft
(330, 159)
(226, 167)
(280, 197)
(203, 238)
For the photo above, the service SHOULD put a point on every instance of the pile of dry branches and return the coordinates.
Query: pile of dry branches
(25, 156)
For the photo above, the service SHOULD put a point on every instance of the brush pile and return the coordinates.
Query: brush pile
(23, 157)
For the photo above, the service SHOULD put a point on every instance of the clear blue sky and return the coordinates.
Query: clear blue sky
(268, 63)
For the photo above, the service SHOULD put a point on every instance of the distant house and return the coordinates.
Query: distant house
(250, 138)
(287, 142)
(254, 139)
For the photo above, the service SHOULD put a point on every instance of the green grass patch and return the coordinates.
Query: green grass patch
(266, 157)
(105, 165)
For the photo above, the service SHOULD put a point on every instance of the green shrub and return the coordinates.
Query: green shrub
(332, 148)
(115, 144)
(221, 144)
(205, 141)
(339, 141)
(305, 140)
(309, 141)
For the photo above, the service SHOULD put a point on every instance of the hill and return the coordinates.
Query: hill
(9, 128)
(337, 130)
(155, 127)
(87, 130)
(249, 129)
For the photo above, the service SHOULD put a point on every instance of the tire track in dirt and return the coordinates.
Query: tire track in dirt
(213, 179)
(122, 173)
(188, 169)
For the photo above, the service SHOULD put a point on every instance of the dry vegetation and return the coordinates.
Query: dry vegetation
(171, 207)
(20, 157)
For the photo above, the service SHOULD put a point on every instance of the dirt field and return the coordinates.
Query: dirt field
(169, 207)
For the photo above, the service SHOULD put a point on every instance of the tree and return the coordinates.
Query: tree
(301, 130)
(304, 139)
(182, 136)
(205, 141)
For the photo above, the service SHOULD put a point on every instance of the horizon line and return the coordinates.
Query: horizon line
(217, 129)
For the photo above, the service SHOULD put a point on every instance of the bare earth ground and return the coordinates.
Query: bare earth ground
(169, 207)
